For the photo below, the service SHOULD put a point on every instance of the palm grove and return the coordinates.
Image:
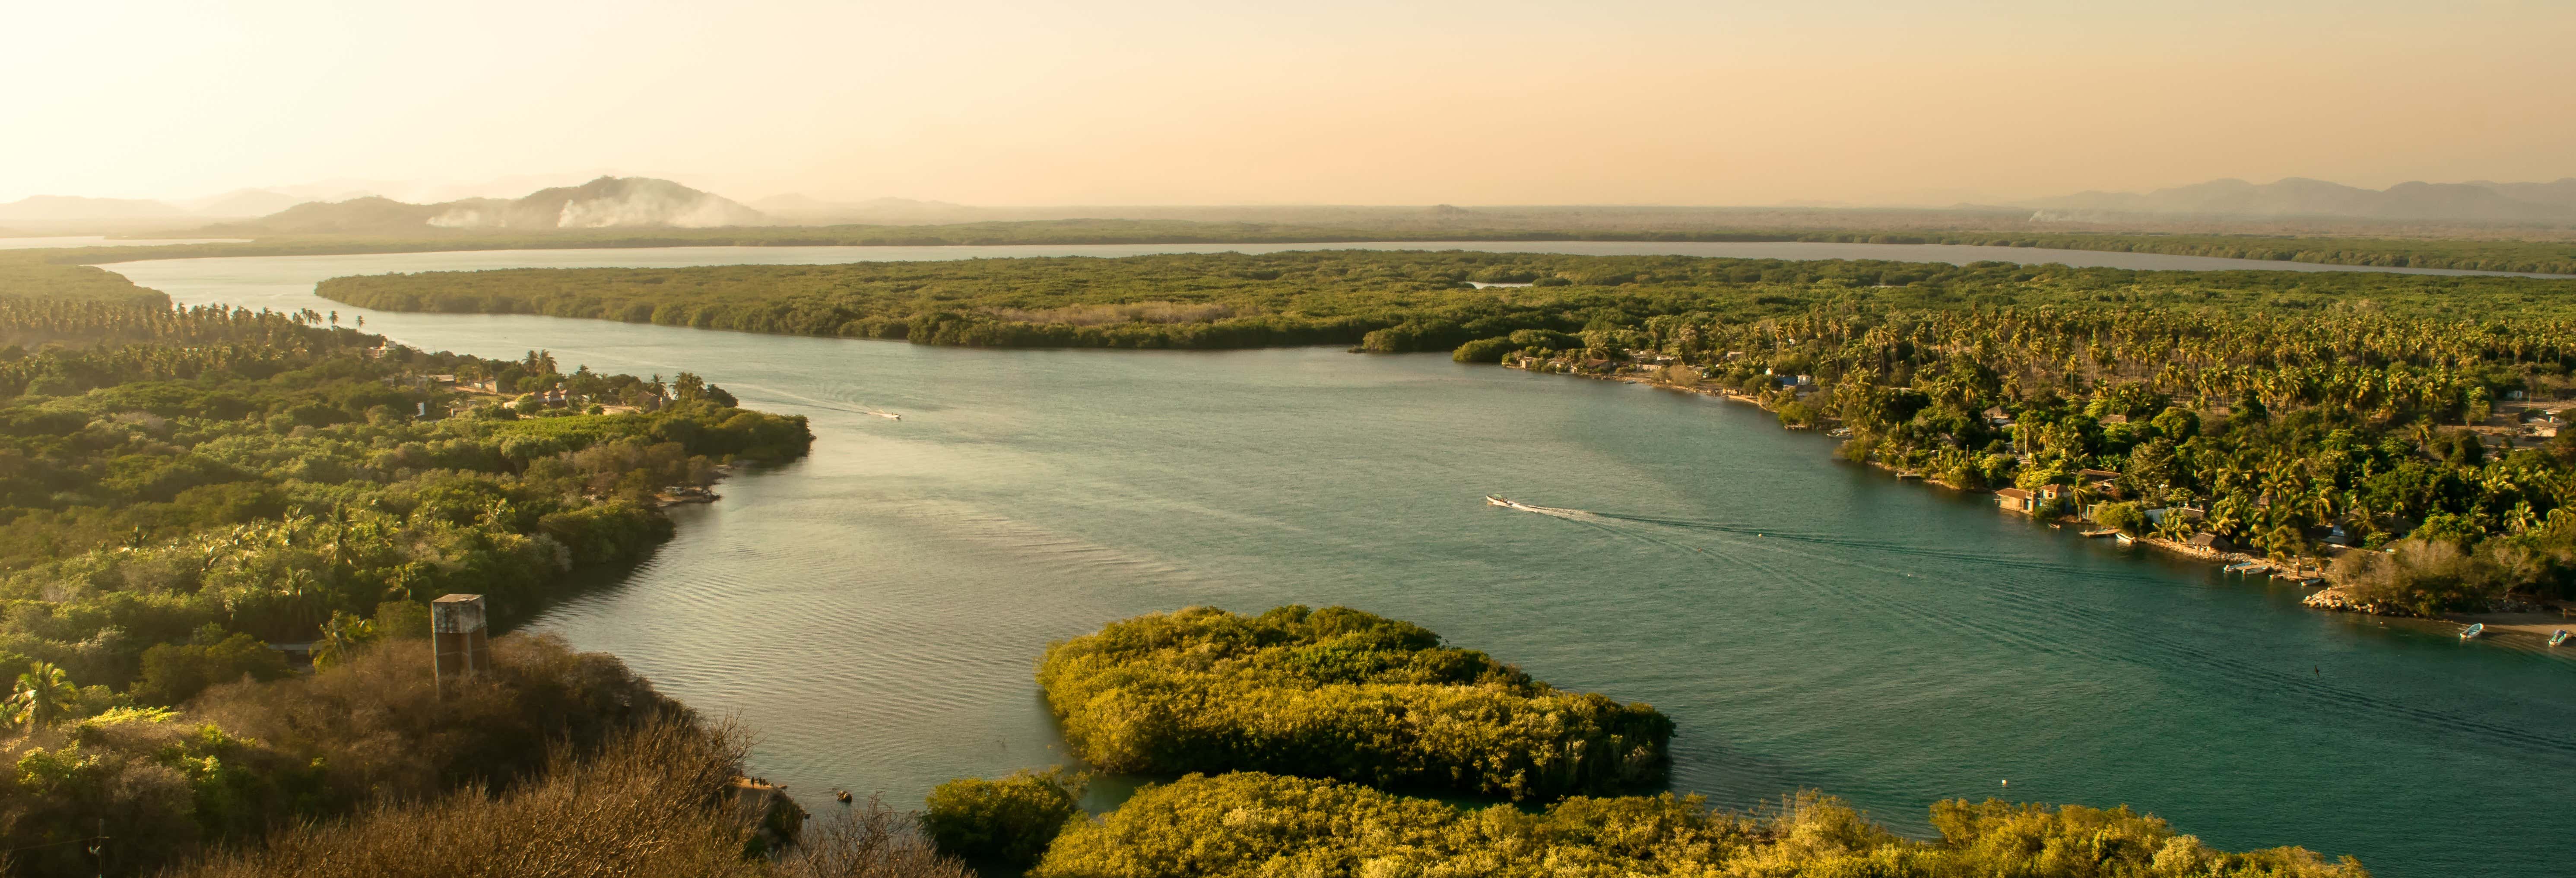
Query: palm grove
(2275, 407)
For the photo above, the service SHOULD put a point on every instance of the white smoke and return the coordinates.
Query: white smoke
(649, 209)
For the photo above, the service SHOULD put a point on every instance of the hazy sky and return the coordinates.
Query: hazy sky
(1121, 102)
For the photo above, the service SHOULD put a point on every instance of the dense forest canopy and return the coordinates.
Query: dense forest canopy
(1338, 693)
(201, 478)
(1420, 300)
(1250, 824)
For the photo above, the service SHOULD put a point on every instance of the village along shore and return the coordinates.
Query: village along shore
(2514, 623)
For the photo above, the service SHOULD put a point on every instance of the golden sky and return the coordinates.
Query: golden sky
(1117, 102)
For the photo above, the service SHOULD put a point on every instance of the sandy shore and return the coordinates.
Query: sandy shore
(2537, 625)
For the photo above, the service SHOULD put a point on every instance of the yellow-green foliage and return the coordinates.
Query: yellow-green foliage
(1338, 693)
(1008, 820)
(1250, 824)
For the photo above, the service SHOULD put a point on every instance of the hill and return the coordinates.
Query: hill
(2476, 201)
(604, 203)
(243, 202)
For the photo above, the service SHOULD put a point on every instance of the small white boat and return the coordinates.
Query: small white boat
(887, 415)
(2124, 539)
(2559, 637)
(1491, 500)
(2473, 631)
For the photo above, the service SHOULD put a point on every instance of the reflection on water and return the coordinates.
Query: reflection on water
(876, 609)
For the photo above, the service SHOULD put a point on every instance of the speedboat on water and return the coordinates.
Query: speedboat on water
(2559, 637)
(1491, 500)
(2473, 631)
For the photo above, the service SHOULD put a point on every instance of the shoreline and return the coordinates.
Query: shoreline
(2509, 627)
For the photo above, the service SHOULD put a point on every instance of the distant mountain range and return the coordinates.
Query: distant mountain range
(607, 202)
(2473, 201)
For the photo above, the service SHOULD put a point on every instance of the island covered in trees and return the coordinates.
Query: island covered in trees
(1284, 783)
(2293, 414)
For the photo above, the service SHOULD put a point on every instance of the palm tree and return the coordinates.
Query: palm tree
(44, 694)
(340, 639)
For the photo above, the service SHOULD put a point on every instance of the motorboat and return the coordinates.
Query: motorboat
(2473, 631)
(1491, 500)
(2558, 637)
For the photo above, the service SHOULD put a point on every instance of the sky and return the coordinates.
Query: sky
(1119, 102)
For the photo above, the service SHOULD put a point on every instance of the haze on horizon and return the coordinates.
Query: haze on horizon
(1140, 102)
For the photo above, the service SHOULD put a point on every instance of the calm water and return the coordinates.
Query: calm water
(875, 610)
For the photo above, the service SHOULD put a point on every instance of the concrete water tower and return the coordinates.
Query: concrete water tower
(458, 637)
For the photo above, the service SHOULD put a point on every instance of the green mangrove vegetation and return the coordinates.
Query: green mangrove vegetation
(1338, 693)
(1250, 824)
(1008, 821)
(195, 481)
(1392, 301)
(2291, 414)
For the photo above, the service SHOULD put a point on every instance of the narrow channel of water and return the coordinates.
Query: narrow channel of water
(875, 610)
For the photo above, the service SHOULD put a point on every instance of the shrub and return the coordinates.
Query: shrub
(1484, 350)
(650, 802)
(1009, 820)
(2124, 517)
(868, 841)
(1249, 824)
(247, 757)
(1338, 693)
(176, 672)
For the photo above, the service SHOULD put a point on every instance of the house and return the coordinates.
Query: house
(2212, 541)
(2056, 495)
(2016, 500)
(1996, 416)
(2115, 419)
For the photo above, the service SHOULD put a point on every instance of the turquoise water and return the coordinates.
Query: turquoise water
(875, 610)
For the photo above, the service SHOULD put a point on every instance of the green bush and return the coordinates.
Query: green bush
(1011, 820)
(2124, 517)
(1338, 693)
(1484, 350)
(1249, 824)
(176, 672)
